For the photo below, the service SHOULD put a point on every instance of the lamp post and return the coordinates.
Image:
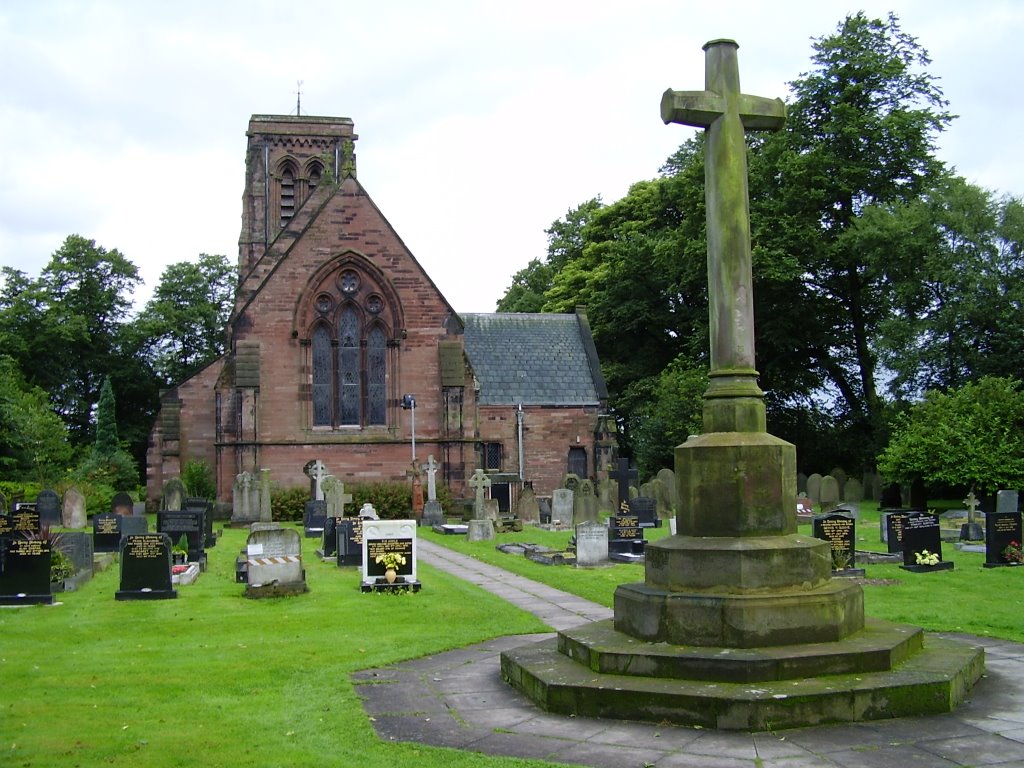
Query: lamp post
(409, 404)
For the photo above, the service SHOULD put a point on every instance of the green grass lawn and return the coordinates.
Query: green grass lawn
(215, 678)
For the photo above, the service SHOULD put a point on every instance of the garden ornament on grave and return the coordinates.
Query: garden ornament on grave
(737, 575)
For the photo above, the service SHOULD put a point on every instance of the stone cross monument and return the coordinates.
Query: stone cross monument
(737, 575)
(479, 482)
(431, 478)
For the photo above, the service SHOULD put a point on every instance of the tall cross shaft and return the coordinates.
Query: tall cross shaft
(733, 401)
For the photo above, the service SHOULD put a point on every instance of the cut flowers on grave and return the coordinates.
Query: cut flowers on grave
(390, 560)
(924, 557)
(1013, 553)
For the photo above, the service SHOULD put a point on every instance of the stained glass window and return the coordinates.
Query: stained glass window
(323, 376)
(349, 374)
(376, 369)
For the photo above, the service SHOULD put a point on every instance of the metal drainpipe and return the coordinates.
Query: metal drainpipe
(519, 428)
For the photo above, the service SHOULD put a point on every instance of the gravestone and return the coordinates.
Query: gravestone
(479, 529)
(491, 510)
(872, 486)
(77, 546)
(625, 537)
(48, 507)
(106, 532)
(274, 563)
(584, 504)
(245, 499)
(921, 535)
(316, 472)
(367, 512)
(814, 488)
(329, 542)
(527, 508)
(197, 504)
(187, 523)
(335, 496)
(840, 477)
(24, 571)
(892, 527)
(133, 525)
(646, 512)
(390, 542)
(891, 497)
(971, 530)
(668, 481)
(74, 512)
(349, 541)
(840, 531)
(265, 511)
(480, 483)
(146, 568)
(801, 483)
(854, 491)
(591, 545)
(433, 514)
(622, 474)
(607, 494)
(25, 520)
(828, 493)
(571, 481)
(314, 518)
(122, 504)
(561, 506)
(1002, 530)
(173, 495)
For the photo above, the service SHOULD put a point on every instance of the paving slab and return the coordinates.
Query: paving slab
(457, 699)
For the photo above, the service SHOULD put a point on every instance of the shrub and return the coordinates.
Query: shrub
(288, 504)
(393, 500)
(198, 479)
(117, 470)
(17, 490)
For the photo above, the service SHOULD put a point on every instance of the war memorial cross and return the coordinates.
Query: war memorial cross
(726, 114)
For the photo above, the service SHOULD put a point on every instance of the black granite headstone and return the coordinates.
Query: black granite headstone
(625, 536)
(1002, 530)
(25, 519)
(122, 504)
(146, 567)
(195, 504)
(921, 538)
(48, 507)
(24, 571)
(314, 518)
(839, 531)
(329, 543)
(190, 523)
(349, 541)
(646, 511)
(106, 532)
(893, 521)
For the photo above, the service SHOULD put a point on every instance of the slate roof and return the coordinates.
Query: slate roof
(533, 359)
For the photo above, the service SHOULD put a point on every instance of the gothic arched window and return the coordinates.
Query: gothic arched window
(349, 357)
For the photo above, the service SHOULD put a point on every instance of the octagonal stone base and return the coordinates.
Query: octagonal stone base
(824, 614)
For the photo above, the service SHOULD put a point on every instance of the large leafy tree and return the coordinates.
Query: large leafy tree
(861, 132)
(972, 436)
(33, 439)
(181, 329)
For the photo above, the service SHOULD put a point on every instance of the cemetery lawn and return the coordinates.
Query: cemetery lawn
(215, 679)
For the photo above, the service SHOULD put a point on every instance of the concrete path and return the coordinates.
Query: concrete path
(457, 699)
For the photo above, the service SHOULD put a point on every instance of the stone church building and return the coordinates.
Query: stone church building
(335, 323)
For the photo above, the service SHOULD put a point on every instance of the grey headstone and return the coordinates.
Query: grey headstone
(274, 556)
(561, 505)
(841, 477)
(245, 499)
(801, 482)
(433, 514)
(367, 511)
(490, 509)
(814, 488)
(74, 509)
(527, 508)
(174, 494)
(854, 491)
(1006, 501)
(829, 493)
(480, 529)
(591, 544)
(584, 504)
(668, 482)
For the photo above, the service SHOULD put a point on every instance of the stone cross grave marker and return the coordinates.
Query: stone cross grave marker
(622, 475)
(480, 483)
(431, 468)
(316, 472)
(334, 494)
(146, 568)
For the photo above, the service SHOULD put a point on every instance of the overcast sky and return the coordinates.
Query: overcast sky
(480, 123)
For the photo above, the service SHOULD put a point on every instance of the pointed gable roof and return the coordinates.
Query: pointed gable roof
(534, 359)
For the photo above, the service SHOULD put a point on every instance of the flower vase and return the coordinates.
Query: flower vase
(390, 575)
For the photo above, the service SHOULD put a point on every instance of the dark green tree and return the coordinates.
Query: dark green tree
(181, 328)
(972, 436)
(33, 440)
(106, 421)
(861, 132)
